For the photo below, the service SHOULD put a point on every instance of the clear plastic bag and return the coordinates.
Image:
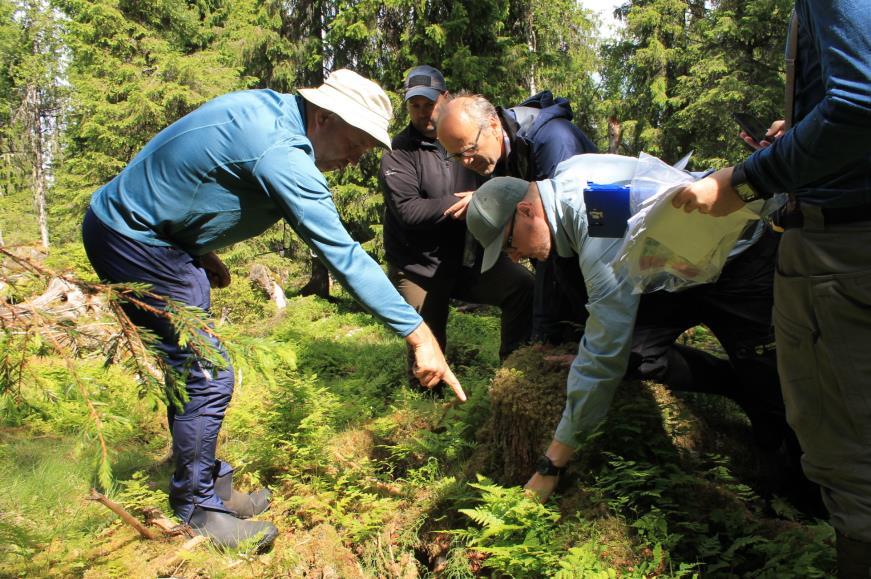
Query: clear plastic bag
(667, 248)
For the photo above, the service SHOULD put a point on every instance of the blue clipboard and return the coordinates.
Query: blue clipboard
(607, 209)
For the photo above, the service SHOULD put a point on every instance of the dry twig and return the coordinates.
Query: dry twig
(125, 516)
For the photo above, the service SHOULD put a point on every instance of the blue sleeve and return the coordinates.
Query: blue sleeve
(603, 353)
(557, 141)
(835, 133)
(290, 178)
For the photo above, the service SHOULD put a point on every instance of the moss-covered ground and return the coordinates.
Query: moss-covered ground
(372, 478)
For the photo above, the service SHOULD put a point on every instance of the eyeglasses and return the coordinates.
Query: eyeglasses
(509, 243)
(469, 151)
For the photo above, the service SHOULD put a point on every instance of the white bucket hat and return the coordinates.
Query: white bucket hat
(357, 100)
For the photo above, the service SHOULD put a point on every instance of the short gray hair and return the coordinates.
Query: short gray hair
(476, 107)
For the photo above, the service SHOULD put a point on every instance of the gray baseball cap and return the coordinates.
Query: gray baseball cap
(489, 212)
(424, 81)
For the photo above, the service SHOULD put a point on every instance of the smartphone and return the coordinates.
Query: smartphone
(751, 125)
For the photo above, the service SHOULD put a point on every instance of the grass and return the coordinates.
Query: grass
(45, 480)
(373, 479)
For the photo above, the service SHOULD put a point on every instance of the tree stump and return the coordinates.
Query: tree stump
(527, 397)
(262, 277)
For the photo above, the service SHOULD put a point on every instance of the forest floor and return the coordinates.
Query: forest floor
(372, 478)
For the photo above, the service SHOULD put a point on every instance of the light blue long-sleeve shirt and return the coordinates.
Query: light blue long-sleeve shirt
(603, 353)
(227, 172)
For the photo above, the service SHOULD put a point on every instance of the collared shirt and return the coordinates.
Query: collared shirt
(826, 158)
(227, 172)
(603, 352)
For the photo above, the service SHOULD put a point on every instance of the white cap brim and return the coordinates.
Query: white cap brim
(350, 111)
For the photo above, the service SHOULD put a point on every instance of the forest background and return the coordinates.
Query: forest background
(371, 479)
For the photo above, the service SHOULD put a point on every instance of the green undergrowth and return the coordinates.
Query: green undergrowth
(372, 478)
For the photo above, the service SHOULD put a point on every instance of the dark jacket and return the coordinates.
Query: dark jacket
(826, 158)
(418, 182)
(542, 135)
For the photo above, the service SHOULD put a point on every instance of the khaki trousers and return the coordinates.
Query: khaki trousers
(822, 317)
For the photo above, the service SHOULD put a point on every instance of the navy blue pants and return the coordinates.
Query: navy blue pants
(175, 274)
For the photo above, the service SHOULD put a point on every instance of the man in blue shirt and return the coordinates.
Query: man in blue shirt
(535, 220)
(822, 289)
(222, 174)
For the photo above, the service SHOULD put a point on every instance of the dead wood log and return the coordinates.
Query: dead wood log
(61, 299)
(261, 276)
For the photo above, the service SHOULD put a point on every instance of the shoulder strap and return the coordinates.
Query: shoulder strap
(791, 51)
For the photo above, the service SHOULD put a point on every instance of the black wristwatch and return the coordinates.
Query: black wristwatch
(742, 186)
(545, 467)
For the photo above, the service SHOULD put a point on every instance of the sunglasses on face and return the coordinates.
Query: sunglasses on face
(469, 151)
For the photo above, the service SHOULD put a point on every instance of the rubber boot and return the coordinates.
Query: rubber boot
(228, 532)
(243, 505)
(854, 558)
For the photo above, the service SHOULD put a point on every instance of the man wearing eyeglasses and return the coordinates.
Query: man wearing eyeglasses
(430, 260)
(548, 218)
(535, 220)
(527, 141)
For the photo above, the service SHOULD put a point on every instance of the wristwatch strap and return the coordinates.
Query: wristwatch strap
(742, 186)
(545, 467)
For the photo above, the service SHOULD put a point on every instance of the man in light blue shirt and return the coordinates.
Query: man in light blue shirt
(224, 173)
(532, 219)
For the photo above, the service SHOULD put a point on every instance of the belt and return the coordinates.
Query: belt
(836, 215)
(791, 216)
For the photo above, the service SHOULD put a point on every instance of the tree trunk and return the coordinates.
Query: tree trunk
(319, 282)
(37, 146)
(615, 135)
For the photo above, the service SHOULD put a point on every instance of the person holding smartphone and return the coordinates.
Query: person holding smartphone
(822, 289)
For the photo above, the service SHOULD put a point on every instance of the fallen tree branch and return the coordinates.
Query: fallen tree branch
(125, 516)
(156, 518)
(170, 565)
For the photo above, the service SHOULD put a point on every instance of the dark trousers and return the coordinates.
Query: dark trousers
(559, 304)
(506, 285)
(737, 309)
(174, 274)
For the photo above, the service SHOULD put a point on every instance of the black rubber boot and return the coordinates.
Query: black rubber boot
(854, 558)
(228, 532)
(243, 505)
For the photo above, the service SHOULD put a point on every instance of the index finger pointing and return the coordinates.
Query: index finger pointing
(452, 381)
